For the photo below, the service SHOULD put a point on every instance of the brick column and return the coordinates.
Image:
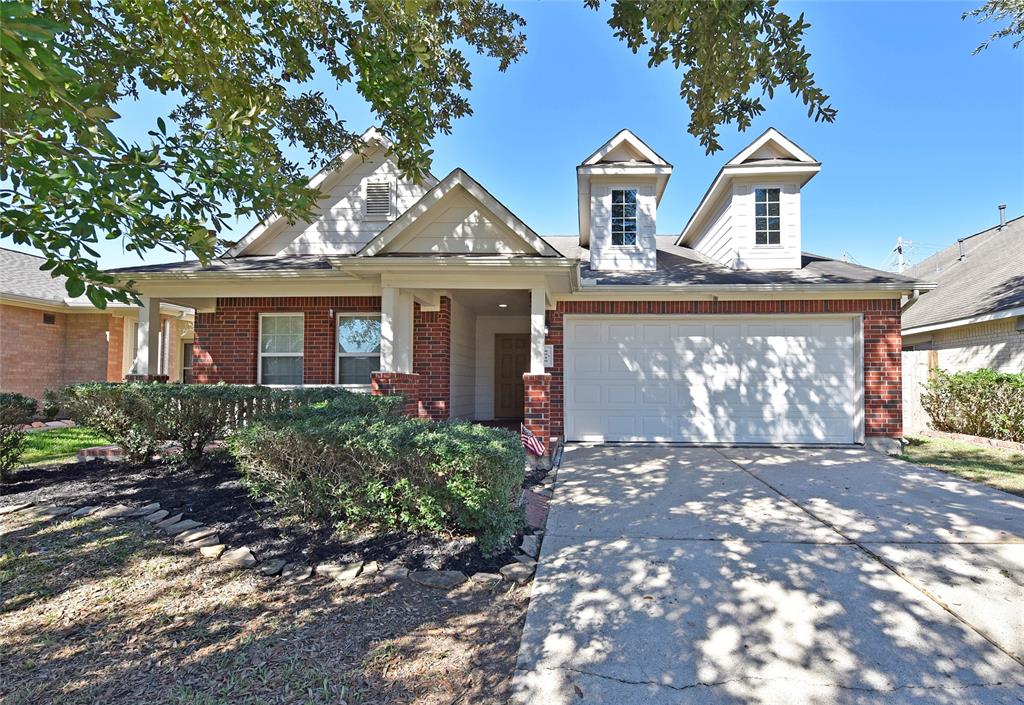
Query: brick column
(537, 411)
(431, 359)
(403, 384)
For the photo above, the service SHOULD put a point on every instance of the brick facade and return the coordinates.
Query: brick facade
(431, 359)
(386, 384)
(882, 345)
(537, 406)
(36, 356)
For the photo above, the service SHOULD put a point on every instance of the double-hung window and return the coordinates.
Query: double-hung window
(281, 340)
(358, 347)
(623, 217)
(767, 224)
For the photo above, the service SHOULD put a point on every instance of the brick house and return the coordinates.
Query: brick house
(48, 340)
(726, 332)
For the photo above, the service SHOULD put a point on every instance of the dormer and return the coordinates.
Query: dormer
(619, 188)
(750, 217)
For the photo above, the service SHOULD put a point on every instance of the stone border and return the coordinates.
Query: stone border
(974, 440)
(37, 426)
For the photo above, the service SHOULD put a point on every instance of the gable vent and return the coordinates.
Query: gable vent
(378, 199)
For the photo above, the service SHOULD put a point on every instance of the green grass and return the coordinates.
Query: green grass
(996, 467)
(60, 444)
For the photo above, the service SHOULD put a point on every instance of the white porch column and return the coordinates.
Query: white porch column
(147, 357)
(395, 330)
(538, 299)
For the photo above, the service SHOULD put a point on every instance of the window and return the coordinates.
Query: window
(186, 362)
(131, 344)
(767, 227)
(378, 199)
(623, 217)
(358, 348)
(281, 348)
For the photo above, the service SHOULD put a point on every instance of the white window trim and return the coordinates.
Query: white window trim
(130, 333)
(753, 194)
(391, 199)
(338, 354)
(636, 217)
(260, 354)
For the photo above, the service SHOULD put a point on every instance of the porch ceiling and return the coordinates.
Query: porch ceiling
(488, 302)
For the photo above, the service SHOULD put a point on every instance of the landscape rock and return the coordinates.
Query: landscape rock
(144, 511)
(11, 508)
(213, 551)
(486, 578)
(272, 567)
(182, 526)
(170, 521)
(241, 557)
(518, 573)
(394, 571)
(194, 534)
(439, 579)
(296, 572)
(118, 511)
(48, 511)
(85, 511)
(340, 572)
(157, 516)
(212, 540)
(526, 560)
(530, 545)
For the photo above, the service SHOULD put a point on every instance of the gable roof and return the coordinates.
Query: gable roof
(371, 138)
(625, 138)
(773, 142)
(987, 282)
(458, 179)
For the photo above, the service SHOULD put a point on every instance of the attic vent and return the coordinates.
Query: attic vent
(378, 199)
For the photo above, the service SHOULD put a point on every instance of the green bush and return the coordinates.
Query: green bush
(16, 410)
(386, 471)
(51, 404)
(983, 403)
(141, 416)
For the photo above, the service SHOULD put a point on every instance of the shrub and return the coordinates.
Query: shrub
(140, 416)
(386, 471)
(51, 404)
(16, 410)
(983, 403)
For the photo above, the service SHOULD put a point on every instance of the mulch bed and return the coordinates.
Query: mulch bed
(213, 494)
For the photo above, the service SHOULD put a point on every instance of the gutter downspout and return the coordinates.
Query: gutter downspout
(910, 301)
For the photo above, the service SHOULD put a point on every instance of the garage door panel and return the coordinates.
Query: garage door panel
(736, 380)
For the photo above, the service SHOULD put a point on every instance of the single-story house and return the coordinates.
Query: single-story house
(973, 319)
(48, 340)
(726, 332)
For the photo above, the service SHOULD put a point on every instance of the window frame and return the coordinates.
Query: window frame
(768, 231)
(338, 354)
(259, 347)
(635, 218)
(366, 199)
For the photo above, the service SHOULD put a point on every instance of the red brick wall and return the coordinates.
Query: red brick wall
(386, 384)
(431, 359)
(226, 340)
(537, 411)
(115, 349)
(883, 411)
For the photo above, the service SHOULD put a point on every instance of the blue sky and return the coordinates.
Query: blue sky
(928, 141)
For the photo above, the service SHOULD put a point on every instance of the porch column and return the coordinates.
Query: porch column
(147, 357)
(538, 305)
(395, 330)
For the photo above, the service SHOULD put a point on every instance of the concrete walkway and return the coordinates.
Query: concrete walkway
(783, 577)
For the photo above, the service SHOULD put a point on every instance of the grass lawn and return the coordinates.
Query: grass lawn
(996, 467)
(60, 444)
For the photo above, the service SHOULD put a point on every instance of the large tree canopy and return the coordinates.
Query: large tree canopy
(241, 75)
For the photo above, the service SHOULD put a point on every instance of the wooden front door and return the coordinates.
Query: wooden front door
(511, 362)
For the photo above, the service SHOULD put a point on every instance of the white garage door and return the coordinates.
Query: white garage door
(770, 379)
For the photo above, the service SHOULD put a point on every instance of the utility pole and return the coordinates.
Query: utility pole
(899, 254)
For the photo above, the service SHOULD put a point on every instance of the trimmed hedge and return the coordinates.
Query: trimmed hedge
(386, 471)
(983, 403)
(16, 410)
(141, 416)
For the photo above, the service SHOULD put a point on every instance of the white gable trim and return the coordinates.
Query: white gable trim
(458, 178)
(771, 135)
(371, 138)
(633, 141)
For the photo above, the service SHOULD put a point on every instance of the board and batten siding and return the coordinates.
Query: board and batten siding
(606, 257)
(340, 227)
(463, 362)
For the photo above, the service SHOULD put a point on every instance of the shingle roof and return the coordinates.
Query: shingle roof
(267, 263)
(20, 276)
(988, 279)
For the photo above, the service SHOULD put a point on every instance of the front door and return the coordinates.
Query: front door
(511, 362)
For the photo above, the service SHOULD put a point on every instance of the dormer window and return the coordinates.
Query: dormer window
(378, 200)
(623, 217)
(767, 224)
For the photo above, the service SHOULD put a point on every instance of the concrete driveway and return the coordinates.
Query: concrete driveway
(782, 577)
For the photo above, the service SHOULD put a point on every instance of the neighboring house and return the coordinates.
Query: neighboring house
(725, 333)
(48, 340)
(974, 319)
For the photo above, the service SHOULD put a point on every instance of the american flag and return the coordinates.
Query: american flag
(530, 441)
